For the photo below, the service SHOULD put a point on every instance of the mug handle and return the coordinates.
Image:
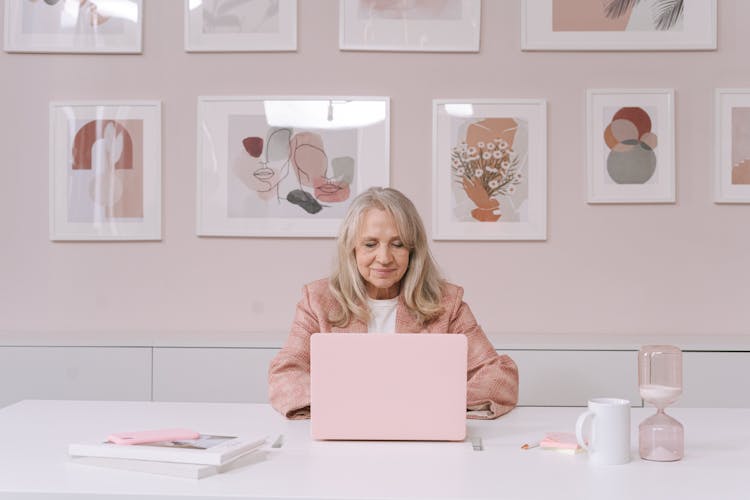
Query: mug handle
(579, 428)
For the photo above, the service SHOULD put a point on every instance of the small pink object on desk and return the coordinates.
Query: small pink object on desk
(560, 441)
(152, 436)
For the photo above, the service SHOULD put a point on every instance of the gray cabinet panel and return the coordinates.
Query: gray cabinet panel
(570, 378)
(715, 379)
(116, 373)
(231, 375)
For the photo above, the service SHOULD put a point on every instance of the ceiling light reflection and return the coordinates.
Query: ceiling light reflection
(459, 109)
(118, 9)
(324, 113)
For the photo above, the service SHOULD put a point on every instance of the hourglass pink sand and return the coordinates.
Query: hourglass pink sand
(660, 437)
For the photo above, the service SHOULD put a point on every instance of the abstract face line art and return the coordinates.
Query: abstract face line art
(274, 165)
(304, 152)
(310, 163)
(632, 159)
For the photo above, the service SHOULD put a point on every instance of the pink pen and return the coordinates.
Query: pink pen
(152, 436)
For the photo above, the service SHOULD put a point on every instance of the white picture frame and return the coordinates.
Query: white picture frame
(74, 26)
(447, 26)
(287, 166)
(645, 25)
(489, 169)
(240, 26)
(105, 170)
(630, 146)
(732, 146)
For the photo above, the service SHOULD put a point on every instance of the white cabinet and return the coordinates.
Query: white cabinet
(570, 378)
(715, 379)
(239, 373)
(230, 375)
(118, 373)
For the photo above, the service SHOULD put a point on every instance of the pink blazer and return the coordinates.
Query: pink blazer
(492, 379)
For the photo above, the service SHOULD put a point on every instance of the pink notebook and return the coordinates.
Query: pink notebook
(376, 386)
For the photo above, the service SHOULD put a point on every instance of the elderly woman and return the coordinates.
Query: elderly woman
(386, 281)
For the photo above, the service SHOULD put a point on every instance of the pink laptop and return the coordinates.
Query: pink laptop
(377, 386)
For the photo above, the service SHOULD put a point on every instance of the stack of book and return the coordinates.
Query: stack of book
(193, 458)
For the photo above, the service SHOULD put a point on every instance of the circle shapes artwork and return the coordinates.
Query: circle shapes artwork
(632, 159)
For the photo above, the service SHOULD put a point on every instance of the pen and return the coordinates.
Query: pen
(528, 446)
(476, 444)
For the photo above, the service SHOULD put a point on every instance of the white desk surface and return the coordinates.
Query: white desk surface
(34, 436)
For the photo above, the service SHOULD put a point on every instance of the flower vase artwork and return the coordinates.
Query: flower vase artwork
(487, 167)
(660, 437)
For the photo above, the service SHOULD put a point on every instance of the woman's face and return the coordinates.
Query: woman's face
(382, 258)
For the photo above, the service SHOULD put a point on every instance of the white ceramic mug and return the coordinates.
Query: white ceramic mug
(609, 442)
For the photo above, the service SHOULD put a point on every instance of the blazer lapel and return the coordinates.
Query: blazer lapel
(405, 321)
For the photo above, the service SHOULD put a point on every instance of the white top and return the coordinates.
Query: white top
(34, 463)
(383, 319)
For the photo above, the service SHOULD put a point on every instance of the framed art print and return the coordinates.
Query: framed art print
(89, 26)
(287, 166)
(410, 25)
(240, 25)
(105, 170)
(489, 169)
(618, 25)
(732, 146)
(630, 146)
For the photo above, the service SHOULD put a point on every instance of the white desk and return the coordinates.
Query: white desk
(34, 436)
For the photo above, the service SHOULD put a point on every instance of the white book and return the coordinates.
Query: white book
(207, 449)
(192, 471)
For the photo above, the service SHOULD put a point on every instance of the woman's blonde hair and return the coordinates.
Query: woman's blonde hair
(421, 285)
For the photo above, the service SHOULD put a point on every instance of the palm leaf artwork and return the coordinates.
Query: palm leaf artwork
(616, 8)
(667, 12)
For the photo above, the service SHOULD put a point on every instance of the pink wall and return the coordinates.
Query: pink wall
(632, 269)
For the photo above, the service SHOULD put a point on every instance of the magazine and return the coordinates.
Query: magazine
(192, 471)
(208, 449)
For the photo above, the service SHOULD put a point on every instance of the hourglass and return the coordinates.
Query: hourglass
(660, 437)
